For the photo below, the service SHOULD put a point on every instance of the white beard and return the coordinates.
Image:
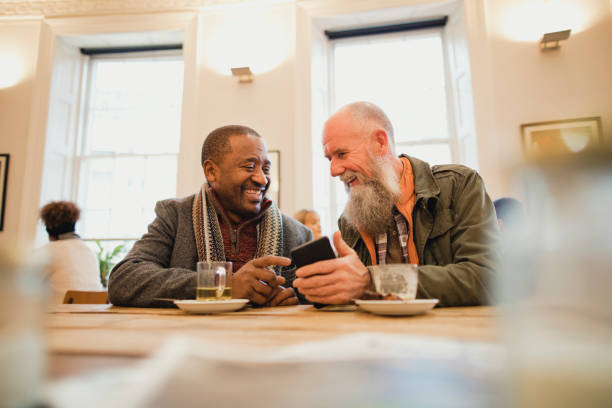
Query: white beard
(370, 205)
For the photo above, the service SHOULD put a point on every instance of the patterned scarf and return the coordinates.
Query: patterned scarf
(209, 240)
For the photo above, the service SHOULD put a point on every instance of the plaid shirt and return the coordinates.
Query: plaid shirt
(404, 233)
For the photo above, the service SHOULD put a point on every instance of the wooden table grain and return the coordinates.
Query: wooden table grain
(83, 337)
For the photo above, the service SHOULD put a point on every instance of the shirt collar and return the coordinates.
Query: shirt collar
(68, 235)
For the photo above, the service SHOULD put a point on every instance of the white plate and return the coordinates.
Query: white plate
(397, 307)
(211, 306)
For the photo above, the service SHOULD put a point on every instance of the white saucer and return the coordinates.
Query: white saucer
(397, 307)
(211, 306)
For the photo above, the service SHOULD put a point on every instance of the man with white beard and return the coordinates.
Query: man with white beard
(401, 210)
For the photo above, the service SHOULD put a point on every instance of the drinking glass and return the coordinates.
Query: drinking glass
(396, 279)
(214, 281)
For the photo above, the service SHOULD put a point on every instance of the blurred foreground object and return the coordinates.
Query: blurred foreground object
(556, 281)
(22, 358)
(509, 212)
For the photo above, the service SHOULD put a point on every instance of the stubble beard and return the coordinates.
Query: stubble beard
(370, 205)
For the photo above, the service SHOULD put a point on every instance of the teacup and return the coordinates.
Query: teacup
(400, 280)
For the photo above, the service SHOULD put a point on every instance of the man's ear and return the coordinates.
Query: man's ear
(211, 171)
(380, 142)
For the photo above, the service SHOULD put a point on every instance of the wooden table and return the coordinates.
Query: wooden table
(90, 342)
(85, 337)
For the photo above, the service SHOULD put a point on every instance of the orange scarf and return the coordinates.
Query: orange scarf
(405, 206)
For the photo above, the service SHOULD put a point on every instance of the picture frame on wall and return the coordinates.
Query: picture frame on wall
(4, 165)
(561, 136)
(275, 165)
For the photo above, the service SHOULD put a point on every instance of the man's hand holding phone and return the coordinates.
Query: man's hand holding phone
(260, 285)
(333, 281)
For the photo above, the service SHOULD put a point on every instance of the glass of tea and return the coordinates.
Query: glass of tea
(214, 281)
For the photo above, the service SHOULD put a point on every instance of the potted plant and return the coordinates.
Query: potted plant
(106, 260)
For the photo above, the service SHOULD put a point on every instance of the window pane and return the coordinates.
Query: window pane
(404, 75)
(159, 179)
(438, 153)
(109, 246)
(130, 143)
(135, 106)
(341, 196)
(95, 222)
(120, 193)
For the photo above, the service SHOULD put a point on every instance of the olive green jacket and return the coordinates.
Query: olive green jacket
(455, 233)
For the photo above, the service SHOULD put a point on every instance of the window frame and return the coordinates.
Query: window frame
(80, 156)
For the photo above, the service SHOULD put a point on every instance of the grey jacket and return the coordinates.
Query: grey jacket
(455, 233)
(162, 263)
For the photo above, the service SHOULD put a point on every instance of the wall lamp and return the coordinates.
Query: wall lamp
(244, 74)
(550, 41)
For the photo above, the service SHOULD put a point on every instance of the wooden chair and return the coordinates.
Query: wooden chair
(86, 297)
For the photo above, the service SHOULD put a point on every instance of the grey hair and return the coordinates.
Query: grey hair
(366, 113)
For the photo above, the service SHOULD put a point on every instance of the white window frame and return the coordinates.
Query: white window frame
(80, 156)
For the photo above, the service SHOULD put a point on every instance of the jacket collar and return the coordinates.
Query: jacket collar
(352, 234)
(426, 187)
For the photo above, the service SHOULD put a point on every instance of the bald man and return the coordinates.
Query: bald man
(402, 211)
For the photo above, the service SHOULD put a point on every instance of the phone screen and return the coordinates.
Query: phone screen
(313, 251)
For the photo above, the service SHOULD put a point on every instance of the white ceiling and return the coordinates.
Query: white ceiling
(126, 39)
(388, 15)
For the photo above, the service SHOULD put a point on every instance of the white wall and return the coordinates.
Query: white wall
(267, 104)
(19, 41)
(534, 86)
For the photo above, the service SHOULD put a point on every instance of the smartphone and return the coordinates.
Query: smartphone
(310, 252)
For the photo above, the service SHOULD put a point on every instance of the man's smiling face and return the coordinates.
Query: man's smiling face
(242, 177)
(346, 145)
(349, 145)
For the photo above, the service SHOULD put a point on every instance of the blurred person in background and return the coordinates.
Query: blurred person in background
(311, 219)
(509, 211)
(403, 211)
(73, 266)
(229, 219)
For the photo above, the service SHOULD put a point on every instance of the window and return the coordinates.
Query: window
(127, 156)
(405, 74)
